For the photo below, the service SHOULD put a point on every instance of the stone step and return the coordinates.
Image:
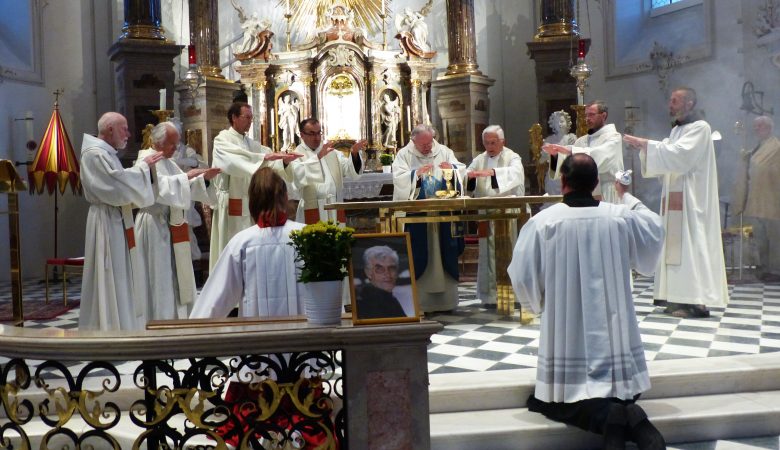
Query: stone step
(681, 419)
(502, 389)
(691, 400)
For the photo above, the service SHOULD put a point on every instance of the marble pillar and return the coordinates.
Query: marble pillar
(462, 92)
(204, 111)
(143, 61)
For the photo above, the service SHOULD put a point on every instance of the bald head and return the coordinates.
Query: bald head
(112, 128)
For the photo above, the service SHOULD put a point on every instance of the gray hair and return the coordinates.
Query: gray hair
(495, 129)
(688, 94)
(160, 131)
(601, 107)
(108, 120)
(379, 252)
(766, 120)
(423, 128)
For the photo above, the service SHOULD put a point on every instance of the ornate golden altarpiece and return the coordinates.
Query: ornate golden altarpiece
(342, 79)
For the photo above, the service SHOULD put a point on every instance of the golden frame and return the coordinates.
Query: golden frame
(406, 297)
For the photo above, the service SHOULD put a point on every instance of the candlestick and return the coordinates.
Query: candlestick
(383, 6)
(163, 100)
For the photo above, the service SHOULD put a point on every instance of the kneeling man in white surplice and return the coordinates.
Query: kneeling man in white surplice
(572, 263)
(498, 172)
(162, 228)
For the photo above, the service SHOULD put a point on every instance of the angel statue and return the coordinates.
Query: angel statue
(391, 116)
(289, 110)
(413, 31)
(257, 36)
(560, 124)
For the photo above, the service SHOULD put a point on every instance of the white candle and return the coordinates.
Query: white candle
(444, 132)
(409, 118)
(273, 128)
(28, 124)
(383, 6)
(163, 100)
(288, 8)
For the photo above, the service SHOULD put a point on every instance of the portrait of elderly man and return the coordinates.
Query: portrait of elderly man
(375, 299)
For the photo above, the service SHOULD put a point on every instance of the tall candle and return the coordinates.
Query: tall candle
(383, 6)
(273, 128)
(288, 7)
(409, 117)
(163, 100)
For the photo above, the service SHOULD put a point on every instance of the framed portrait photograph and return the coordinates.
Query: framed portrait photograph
(381, 276)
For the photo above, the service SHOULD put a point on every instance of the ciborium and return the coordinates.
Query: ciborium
(449, 191)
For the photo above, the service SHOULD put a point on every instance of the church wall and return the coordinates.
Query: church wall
(75, 34)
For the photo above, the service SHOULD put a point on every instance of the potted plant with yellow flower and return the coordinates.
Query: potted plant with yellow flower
(322, 252)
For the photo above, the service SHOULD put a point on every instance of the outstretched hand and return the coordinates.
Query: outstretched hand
(635, 142)
(153, 158)
(358, 146)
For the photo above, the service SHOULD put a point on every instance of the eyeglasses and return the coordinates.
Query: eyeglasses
(312, 133)
(246, 117)
(381, 270)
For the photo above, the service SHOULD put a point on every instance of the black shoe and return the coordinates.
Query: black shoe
(659, 302)
(641, 431)
(615, 429)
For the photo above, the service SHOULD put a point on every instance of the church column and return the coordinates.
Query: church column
(143, 20)
(462, 48)
(204, 100)
(204, 34)
(462, 92)
(144, 61)
(558, 19)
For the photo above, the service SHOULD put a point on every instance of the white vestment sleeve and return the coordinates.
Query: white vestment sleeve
(679, 157)
(526, 269)
(606, 154)
(224, 288)
(511, 177)
(647, 236)
(235, 160)
(116, 186)
(404, 178)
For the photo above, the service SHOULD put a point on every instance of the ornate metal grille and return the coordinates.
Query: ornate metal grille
(271, 401)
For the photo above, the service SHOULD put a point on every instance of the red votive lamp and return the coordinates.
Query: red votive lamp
(192, 54)
(581, 49)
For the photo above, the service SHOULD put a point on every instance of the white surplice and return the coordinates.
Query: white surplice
(437, 290)
(510, 179)
(573, 265)
(605, 146)
(153, 235)
(320, 182)
(692, 269)
(239, 157)
(108, 288)
(257, 271)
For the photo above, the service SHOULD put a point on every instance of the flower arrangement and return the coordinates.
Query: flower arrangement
(323, 249)
(386, 159)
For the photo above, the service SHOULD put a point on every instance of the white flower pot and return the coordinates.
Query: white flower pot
(322, 300)
(387, 169)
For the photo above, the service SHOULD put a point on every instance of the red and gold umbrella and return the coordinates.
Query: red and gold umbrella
(55, 164)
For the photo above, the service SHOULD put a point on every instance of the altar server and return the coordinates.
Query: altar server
(417, 175)
(572, 263)
(239, 156)
(257, 269)
(319, 175)
(113, 291)
(498, 172)
(691, 274)
(162, 228)
(603, 143)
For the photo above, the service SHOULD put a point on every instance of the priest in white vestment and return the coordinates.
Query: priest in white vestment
(572, 263)
(187, 158)
(239, 156)
(162, 232)
(498, 172)
(691, 274)
(257, 269)
(603, 143)
(417, 174)
(755, 196)
(113, 292)
(319, 175)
